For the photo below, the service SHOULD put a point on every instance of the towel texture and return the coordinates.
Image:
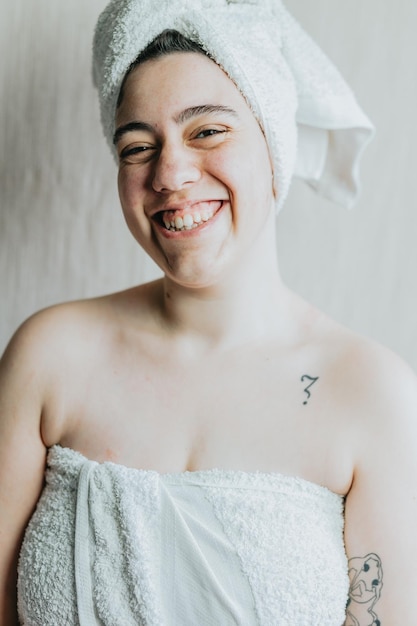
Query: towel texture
(114, 546)
(286, 79)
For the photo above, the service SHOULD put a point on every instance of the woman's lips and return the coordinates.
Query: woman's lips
(188, 218)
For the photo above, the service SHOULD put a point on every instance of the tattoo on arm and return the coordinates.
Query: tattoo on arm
(365, 575)
(312, 380)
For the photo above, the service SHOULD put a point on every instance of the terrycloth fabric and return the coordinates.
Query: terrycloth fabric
(285, 78)
(116, 546)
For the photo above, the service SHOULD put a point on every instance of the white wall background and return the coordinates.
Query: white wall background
(62, 235)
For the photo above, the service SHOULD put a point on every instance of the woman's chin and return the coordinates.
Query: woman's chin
(202, 267)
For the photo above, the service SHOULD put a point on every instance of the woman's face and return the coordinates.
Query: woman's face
(195, 178)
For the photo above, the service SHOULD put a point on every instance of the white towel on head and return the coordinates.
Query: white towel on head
(290, 85)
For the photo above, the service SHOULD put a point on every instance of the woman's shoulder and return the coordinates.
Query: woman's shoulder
(56, 351)
(369, 379)
(47, 332)
(83, 320)
(64, 335)
(367, 362)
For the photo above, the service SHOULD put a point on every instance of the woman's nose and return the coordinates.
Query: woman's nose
(175, 169)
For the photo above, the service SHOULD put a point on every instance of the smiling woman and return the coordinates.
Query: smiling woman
(217, 450)
(189, 149)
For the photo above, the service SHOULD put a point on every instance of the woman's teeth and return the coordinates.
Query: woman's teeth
(188, 221)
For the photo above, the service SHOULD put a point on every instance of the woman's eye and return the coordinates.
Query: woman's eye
(137, 153)
(209, 132)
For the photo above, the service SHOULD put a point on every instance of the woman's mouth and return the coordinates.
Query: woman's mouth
(194, 216)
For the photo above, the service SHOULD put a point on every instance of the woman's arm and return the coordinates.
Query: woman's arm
(381, 507)
(22, 454)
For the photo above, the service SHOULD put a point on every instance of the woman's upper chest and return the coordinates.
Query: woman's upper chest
(244, 409)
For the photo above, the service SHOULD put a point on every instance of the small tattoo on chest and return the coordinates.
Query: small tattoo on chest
(312, 380)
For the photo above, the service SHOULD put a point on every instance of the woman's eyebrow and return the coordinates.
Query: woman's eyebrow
(130, 127)
(184, 116)
(203, 109)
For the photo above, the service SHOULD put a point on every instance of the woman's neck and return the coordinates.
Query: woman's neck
(249, 304)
